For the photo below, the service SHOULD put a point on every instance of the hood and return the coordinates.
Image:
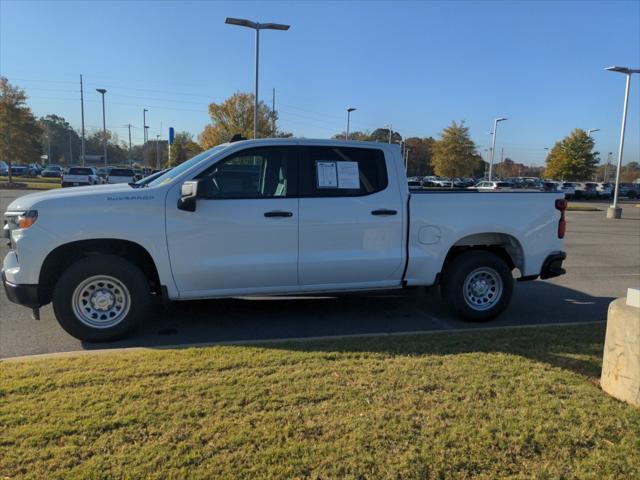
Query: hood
(27, 202)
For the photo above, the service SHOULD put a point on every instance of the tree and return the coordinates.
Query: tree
(59, 140)
(419, 156)
(183, 148)
(382, 135)
(115, 152)
(358, 136)
(572, 158)
(19, 135)
(454, 154)
(235, 116)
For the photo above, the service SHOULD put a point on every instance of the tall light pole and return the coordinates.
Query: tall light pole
(144, 125)
(82, 116)
(592, 130)
(257, 27)
(102, 91)
(493, 144)
(157, 152)
(349, 110)
(614, 211)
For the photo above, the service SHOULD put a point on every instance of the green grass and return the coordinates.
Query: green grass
(509, 403)
(31, 183)
(31, 179)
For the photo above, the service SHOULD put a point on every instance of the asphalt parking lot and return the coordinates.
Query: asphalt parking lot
(603, 261)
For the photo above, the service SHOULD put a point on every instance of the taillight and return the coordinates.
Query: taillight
(561, 204)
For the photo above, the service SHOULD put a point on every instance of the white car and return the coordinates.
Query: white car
(79, 176)
(272, 217)
(121, 175)
(492, 186)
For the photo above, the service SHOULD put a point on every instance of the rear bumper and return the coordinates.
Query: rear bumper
(26, 295)
(552, 266)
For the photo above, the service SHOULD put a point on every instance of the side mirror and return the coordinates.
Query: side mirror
(188, 195)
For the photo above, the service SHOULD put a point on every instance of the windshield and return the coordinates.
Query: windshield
(183, 167)
(121, 172)
(80, 171)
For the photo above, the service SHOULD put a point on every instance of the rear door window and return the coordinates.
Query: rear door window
(342, 172)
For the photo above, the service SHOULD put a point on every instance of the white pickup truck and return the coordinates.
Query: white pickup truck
(273, 217)
(79, 176)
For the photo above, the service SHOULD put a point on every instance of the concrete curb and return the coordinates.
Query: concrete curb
(80, 353)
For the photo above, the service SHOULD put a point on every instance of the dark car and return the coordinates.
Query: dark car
(52, 171)
(629, 190)
(19, 170)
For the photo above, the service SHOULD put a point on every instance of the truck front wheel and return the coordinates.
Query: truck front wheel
(477, 285)
(101, 298)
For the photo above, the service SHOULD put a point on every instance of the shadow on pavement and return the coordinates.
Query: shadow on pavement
(247, 319)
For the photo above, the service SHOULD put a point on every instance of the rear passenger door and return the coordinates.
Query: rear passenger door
(350, 229)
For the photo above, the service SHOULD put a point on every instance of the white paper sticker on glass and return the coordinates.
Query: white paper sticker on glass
(326, 174)
(348, 175)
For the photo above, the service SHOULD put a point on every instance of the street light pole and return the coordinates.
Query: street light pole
(349, 110)
(257, 27)
(614, 211)
(144, 125)
(157, 152)
(102, 91)
(592, 130)
(82, 117)
(493, 144)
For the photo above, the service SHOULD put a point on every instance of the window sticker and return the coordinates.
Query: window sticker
(326, 174)
(348, 175)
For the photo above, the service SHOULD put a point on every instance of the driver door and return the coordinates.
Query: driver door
(243, 235)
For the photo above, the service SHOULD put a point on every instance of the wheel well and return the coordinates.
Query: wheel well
(501, 244)
(66, 255)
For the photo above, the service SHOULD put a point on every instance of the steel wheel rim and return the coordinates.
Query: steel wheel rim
(101, 301)
(482, 288)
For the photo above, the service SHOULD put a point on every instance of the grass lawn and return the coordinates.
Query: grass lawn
(510, 403)
(32, 183)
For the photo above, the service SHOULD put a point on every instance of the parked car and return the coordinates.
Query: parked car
(121, 175)
(492, 186)
(103, 173)
(19, 170)
(629, 190)
(585, 190)
(414, 184)
(273, 216)
(4, 169)
(604, 190)
(567, 188)
(52, 171)
(79, 176)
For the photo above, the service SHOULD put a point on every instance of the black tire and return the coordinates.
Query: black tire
(455, 275)
(124, 272)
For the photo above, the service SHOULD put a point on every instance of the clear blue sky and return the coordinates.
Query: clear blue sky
(417, 65)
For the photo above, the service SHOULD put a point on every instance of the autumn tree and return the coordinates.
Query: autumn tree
(235, 116)
(454, 154)
(572, 158)
(20, 131)
(183, 148)
(419, 156)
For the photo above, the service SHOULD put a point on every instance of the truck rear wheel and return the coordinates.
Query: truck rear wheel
(101, 298)
(477, 285)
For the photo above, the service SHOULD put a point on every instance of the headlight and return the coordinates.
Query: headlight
(27, 219)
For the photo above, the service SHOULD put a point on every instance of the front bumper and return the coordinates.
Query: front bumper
(26, 295)
(552, 266)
